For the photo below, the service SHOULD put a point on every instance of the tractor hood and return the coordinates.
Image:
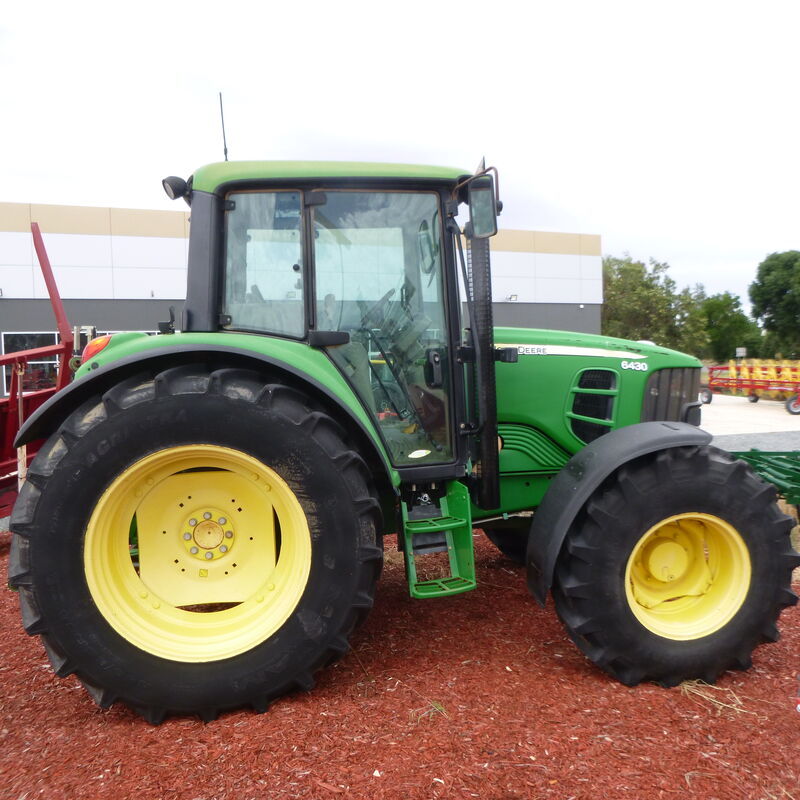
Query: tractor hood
(541, 342)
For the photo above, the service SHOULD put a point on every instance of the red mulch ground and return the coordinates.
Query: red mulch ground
(481, 695)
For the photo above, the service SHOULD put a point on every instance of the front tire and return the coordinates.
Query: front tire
(676, 569)
(195, 541)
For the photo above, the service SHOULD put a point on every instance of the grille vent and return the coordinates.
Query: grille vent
(597, 379)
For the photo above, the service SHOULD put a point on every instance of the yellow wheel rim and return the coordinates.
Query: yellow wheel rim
(688, 576)
(197, 553)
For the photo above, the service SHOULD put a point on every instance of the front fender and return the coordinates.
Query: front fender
(579, 478)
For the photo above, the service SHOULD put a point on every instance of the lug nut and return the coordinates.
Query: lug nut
(194, 551)
(222, 520)
(207, 515)
(192, 522)
(229, 534)
(209, 555)
(187, 536)
(223, 548)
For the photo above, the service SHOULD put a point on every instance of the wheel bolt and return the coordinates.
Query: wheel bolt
(207, 515)
(223, 548)
(229, 534)
(222, 520)
(194, 550)
(192, 522)
(187, 536)
(209, 555)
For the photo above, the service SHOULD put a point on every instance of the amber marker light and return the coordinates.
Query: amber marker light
(94, 347)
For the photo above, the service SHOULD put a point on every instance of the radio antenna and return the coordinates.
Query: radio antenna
(222, 119)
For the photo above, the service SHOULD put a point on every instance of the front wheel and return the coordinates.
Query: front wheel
(706, 395)
(677, 567)
(752, 398)
(194, 541)
(793, 405)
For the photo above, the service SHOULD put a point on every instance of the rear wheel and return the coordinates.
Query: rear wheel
(676, 568)
(195, 542)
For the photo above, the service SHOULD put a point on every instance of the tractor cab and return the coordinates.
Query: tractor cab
(366, 270)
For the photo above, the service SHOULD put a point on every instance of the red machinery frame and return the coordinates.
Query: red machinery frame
(19, 405)
(720, 381)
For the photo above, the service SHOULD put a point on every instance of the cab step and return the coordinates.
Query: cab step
(447, 529)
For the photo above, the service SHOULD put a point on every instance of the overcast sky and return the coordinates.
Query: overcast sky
(670, 129)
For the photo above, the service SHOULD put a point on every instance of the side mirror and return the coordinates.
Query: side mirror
(482, 207)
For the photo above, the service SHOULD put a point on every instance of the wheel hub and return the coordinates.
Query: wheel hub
(666, 560)
(208, 534)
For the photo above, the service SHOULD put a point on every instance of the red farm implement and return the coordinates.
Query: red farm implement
(770, 379)
(27, 389)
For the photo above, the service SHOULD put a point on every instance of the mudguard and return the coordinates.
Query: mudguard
(579, 478)
(52, 413)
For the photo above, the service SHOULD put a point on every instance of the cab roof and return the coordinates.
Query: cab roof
(210, 177)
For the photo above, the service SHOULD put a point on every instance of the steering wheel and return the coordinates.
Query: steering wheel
(376, 309)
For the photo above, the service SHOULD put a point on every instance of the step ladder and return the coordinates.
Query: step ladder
(448, 529)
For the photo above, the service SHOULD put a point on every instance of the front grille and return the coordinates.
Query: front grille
(667, 393)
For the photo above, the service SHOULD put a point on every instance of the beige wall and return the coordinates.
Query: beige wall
(17, 217)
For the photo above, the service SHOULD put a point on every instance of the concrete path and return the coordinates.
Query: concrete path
(737, 424)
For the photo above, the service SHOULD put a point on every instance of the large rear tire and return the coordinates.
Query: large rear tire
(195, 541)
(676, 569)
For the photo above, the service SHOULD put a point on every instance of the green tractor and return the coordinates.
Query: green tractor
(202, 529)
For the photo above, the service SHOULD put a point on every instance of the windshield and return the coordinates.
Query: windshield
(378, 276)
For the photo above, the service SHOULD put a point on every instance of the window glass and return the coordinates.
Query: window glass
(14, 342)
(39, 374)
(264, 263)
(378, 276)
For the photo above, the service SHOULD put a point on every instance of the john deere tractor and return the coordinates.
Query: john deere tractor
(202, 529)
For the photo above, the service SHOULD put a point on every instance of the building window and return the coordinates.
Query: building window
(39, 374)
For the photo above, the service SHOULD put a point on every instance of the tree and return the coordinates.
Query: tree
(728, 327)
(640, 301)
(689, 332)
(637, 299)
(775, 295)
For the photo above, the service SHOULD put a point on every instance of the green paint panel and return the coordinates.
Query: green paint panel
(539, 390)
(210, 177)
(526, 449)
